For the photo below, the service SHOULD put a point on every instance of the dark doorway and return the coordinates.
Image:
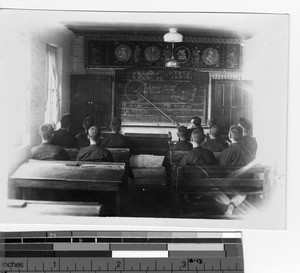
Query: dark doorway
(231, 99)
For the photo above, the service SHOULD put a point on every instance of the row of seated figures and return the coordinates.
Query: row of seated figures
(134, 185)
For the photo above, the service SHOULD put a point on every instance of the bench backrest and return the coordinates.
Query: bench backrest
(156, 144)
(176, 156)
(119, 154)
(72, 153)
(228, 179)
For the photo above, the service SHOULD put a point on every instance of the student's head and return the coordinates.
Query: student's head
(115, 124)
(235, 133)
(65, 121)
(245, 124)
(46, 132)
(195, 122)
(181, 132)
(88, 122)
(93, 133)
(197, 137)
(214, 131)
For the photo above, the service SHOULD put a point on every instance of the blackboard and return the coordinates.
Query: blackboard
(179, 93)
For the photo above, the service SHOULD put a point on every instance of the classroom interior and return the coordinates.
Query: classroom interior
(102, 57)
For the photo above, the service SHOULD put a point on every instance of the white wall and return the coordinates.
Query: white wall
(266, 64)
(23, 56)
(55, 34)
(24, 36)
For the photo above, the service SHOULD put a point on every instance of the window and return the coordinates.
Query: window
(52, 113)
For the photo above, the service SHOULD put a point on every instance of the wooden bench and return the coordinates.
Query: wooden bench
(153, 144)
(175, 158)
(119, 154)
(195, 181)
(73, 175)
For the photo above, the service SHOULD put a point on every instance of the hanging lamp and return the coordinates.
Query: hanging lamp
(172, 37)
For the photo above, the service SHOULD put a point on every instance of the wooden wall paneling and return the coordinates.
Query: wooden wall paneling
(90, 96)
(231, 99)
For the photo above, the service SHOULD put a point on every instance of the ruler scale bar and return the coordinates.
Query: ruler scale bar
(114, 264)
(121, 252)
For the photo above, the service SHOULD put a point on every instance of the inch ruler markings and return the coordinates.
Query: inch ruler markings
(121, 252)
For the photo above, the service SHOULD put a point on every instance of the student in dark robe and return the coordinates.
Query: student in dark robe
(48, 151)
(181, 145)
(94, 152)
(198, 155)
(62, 136)
(195, 123)
(235, 155)
(82, 138)
(115, 139)
(215, 143)
(247, 140)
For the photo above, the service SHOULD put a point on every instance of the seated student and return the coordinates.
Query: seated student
(198, 155)
(94, 152)
(181, 145)
(247, 140)
(82, 139)
(215, 143)
(48, 151)
(195, 123)
(62, 136)
(235, 155)
(114, 140)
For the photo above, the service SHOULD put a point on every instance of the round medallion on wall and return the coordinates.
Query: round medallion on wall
(182, 54)
(152, 53)
(123, 53)
(210, 56)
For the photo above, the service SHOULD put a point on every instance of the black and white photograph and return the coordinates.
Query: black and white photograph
(174, 118)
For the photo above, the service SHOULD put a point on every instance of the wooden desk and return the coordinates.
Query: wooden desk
(155, 144)
(73, 175)
(52, 208)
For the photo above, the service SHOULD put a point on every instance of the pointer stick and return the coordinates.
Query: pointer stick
(158, 109)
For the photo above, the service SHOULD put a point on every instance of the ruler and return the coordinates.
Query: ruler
(118, 251)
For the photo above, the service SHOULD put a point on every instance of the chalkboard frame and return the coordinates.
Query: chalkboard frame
(123, 77)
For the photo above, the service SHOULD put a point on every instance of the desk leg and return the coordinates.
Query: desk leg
(118, 202)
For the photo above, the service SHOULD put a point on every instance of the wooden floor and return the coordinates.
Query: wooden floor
(156, 201)
(159, 202)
